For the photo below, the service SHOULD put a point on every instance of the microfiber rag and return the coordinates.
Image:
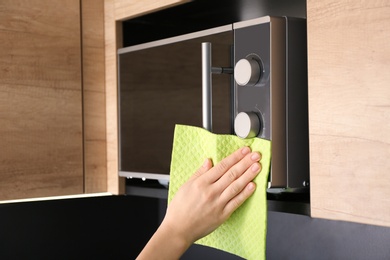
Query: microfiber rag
(244, 233)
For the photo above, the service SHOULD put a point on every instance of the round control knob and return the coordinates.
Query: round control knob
(247, 125)
(247, 72)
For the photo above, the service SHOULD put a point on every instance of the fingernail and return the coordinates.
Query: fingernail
(245, 150)
(251, 186)
(255, 156)
(255, 167)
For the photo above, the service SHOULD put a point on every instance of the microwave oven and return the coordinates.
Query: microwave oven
(247, 78)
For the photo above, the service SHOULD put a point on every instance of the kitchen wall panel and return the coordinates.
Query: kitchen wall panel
(349, 96)
(40, 99)
(94, 111)
(129, 8)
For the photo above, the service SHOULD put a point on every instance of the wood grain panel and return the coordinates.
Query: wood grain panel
(115, 184)
(95, 167)
(349, 96)
(40, 99)
(124, 9)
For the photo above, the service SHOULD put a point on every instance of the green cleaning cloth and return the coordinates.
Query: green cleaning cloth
(244, 233)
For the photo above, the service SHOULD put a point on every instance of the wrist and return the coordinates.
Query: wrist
(166, 243)
(177, 236)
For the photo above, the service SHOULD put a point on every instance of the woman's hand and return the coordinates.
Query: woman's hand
(204, 202)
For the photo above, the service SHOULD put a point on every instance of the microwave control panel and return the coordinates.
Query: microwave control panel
(270, 94)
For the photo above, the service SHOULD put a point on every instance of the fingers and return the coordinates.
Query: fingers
(237, 170)
(223, 166)
(236, 187)
(237, 201)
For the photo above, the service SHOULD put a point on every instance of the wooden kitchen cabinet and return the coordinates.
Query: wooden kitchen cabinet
(54, 136)
(52, 123)
(93, 81)
(58, 101)
(41, 136)
(349, 105)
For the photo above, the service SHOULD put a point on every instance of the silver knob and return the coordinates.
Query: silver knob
(247, 72)
(247, 125)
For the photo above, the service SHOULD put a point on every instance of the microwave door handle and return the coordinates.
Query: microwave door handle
(207, 89)
(207, 99)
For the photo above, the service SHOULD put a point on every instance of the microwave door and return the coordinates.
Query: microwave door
(160, 85)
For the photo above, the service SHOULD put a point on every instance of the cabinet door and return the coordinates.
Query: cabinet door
(349, 104)
(41, 149)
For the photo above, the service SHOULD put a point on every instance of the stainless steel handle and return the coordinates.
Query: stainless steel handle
(207, 89)
(207, 92)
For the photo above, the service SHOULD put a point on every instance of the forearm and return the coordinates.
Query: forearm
(164, 244)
